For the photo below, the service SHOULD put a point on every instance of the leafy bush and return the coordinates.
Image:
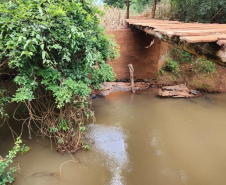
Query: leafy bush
(56, 44)
(171, 66)
(58, 51)
(4, 99)
(6, 170)
(203, 66)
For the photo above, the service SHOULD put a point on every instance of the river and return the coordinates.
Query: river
(138, 139)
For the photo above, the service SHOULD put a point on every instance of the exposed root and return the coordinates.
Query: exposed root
(66, 126)
(42, 174)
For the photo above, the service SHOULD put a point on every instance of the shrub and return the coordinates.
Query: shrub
(6, 170)
(203, 66)
(58, 51)
(4, 99)
(171, 66)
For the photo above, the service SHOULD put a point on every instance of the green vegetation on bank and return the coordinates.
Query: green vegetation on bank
(6, 164)
(182, 67)
(171, 66)
(56, 52)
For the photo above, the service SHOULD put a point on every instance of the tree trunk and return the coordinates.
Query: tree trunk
(128, 4)
(153, 9)
(131, 70)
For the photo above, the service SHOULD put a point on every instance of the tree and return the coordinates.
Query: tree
(153, 9)
(199, 10)
(116, 3)
(56, 51)
(128, 6)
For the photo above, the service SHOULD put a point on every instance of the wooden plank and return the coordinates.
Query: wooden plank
(132, 21)
(192, 32)
(221, 42)
(201, 39)
(182, 25)
(178, 27)
(189, 27)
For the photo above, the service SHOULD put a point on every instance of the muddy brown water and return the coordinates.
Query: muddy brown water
(138, 140)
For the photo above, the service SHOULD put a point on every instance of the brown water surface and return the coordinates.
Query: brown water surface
(138, 140)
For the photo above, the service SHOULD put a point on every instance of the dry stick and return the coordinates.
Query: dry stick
(131, 70)
(3, 63)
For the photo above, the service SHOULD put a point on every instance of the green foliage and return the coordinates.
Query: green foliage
(87, 147)
(116, 3)
(57, 45)
(4, 99)
(171, 66)
(204, 66)
(140, 5)
(6, 170)
(180, 55)
(64, 125)
(199, 10)
(137, 5)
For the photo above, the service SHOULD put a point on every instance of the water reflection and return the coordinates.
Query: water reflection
(110, 142)
(140, 140)
(167, 171)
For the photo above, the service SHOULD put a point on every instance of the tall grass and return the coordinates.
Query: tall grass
(163, 9)
(114, 18)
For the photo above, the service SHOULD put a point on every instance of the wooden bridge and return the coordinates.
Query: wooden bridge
(204, 40)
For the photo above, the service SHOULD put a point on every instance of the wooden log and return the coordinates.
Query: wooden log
(131, 70)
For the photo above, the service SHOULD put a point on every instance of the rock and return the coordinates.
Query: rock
(195, 92)
(93, 96)
(178, 91)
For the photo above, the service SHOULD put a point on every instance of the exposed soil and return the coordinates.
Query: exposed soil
(110, 87)
(205, 82)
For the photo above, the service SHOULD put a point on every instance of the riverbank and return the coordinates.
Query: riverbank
(207, 82)
(203, 82)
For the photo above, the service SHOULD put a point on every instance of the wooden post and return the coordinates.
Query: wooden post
(131, 70)
(128, 4)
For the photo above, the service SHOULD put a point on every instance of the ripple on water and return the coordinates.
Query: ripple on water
(109, 141)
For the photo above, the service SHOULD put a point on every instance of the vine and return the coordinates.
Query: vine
(57, 51)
